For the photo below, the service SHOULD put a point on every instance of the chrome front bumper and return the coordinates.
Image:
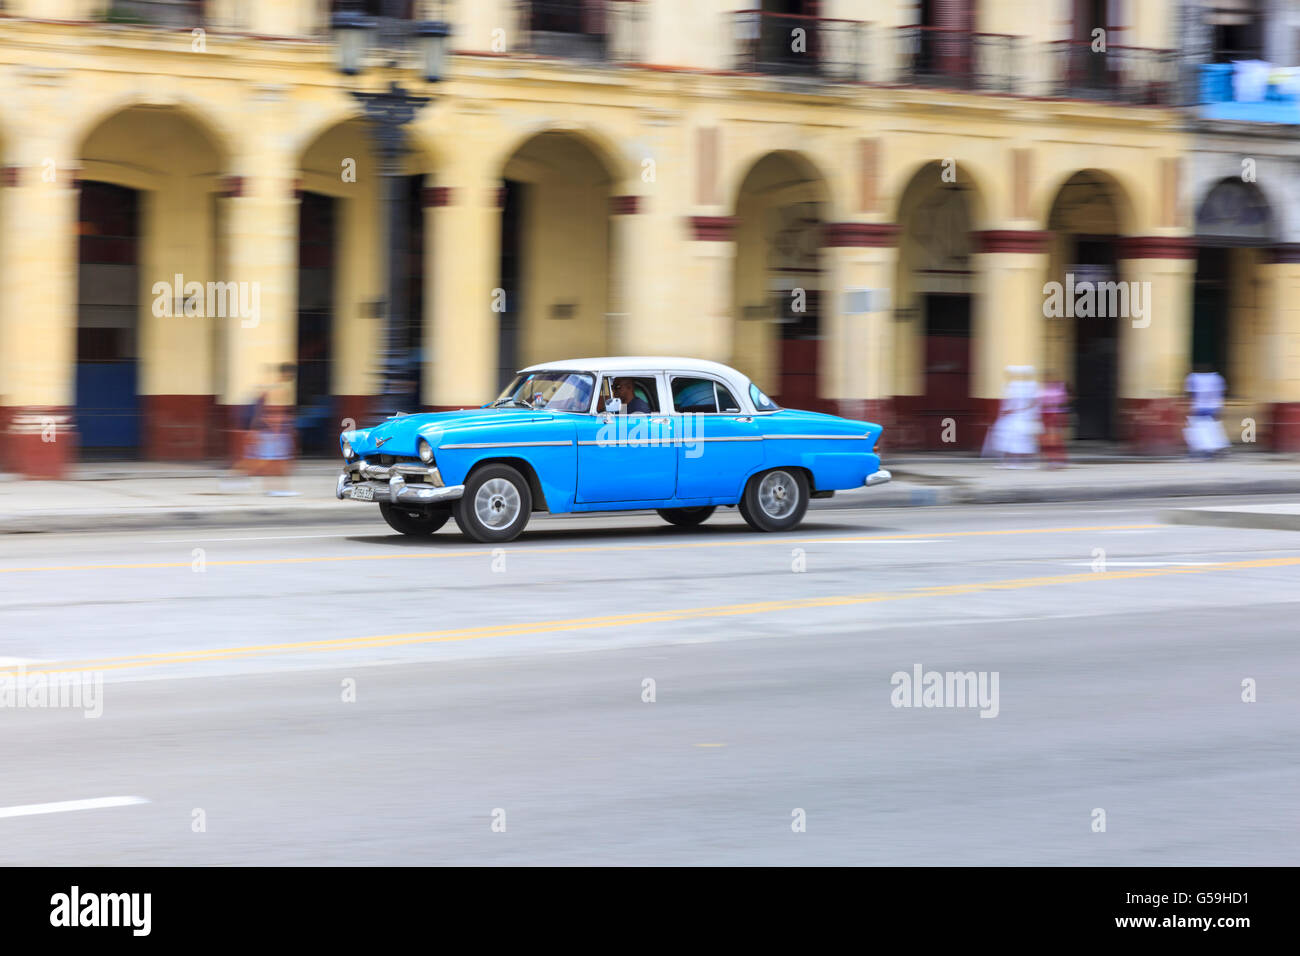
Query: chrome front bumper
(877, 478)
(393, 488)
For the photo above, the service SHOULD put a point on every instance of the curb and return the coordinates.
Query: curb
(894, 495)
(1226, 518)
(183, 519)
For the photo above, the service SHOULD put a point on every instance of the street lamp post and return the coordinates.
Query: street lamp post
(387, 115)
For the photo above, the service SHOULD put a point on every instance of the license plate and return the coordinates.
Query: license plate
(363, 493)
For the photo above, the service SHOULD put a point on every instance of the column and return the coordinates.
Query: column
(358, 290)
(856, 363)
(1007, 327)
(176, 348)
(261, 242)
(711, 253)
(38, 324)
(1282, 377)
(461, 294)
(1155, 348)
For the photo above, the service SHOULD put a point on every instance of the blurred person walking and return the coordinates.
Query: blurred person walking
(1054, 400)
(268, 442)
(1014, 436)
(1204, 432)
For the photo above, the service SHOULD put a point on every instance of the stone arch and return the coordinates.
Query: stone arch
(148, 350)
(939, 210)
(555, 268)
(781, 207)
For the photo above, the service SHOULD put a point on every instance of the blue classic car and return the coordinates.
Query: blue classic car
(678, 435)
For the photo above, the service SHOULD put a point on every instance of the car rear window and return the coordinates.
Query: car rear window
(701, 396)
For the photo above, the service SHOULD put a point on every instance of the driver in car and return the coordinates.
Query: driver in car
(625, 391)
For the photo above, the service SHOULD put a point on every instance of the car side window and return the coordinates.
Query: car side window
(695, 396)
(644, 388)
(725, 402)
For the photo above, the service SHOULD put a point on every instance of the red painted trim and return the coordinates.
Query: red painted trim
(1012, 240)
(176, 427)
(1153, 426)
(435, 196)
(1284, 420)
(624, 205)
(1157, 247)
(232, 187)
(712, 228)
(1287, 253)
(873, 235)
(28, 453)
(355, 407)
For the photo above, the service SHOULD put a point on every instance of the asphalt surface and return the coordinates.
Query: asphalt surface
(514, 681)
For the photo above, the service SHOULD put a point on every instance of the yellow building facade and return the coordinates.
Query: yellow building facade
(863, 216)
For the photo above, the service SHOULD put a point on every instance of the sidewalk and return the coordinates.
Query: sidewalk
(147, 495)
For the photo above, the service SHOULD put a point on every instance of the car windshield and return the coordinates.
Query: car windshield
(557, 391)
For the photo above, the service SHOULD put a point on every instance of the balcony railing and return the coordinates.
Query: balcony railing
(1122, 74)
(788, 44)
(172, 14)
(601, 30)
(961, 59)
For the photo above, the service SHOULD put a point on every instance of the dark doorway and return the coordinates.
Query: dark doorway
(1210, 309)
(1096, 348)
(108, 282)
(512, 238)
(413, 334)
(947, 372)
(317, 429)
(800, 348)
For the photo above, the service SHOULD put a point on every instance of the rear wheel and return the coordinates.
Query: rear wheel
(409, 521)
(686, 517)
(496, 505)
(775, 500)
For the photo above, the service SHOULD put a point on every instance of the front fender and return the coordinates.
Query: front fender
(550, 453)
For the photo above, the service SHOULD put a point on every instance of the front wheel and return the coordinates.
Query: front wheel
(496, 505)
(775, 500)
(686, 517)
(412, 522)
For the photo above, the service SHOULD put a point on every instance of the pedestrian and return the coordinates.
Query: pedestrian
(268, 446)
(1014, 436)
(1054, 400)
(1204, 432)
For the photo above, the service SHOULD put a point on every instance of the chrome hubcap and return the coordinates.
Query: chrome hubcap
(497, 503)
(778, 494)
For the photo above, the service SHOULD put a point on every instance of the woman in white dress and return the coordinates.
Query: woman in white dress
(1014, 436)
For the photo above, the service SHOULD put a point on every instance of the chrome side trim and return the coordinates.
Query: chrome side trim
(820, 437)
(681, 440)
(507, 444)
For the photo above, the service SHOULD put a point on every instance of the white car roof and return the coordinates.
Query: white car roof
(651, 363)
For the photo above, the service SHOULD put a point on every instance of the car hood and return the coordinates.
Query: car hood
(398, 436)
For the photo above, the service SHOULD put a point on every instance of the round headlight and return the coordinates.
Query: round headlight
(425, 451)
(347, 450)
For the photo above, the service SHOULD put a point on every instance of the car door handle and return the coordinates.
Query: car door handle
(743, 418)
(661, 421)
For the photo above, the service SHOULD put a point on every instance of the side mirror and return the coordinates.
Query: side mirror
(613, 405)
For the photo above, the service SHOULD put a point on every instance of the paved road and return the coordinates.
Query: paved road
(514, 681)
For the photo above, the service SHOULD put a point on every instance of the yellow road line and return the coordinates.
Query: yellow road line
(746, 541)
(634, 618)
